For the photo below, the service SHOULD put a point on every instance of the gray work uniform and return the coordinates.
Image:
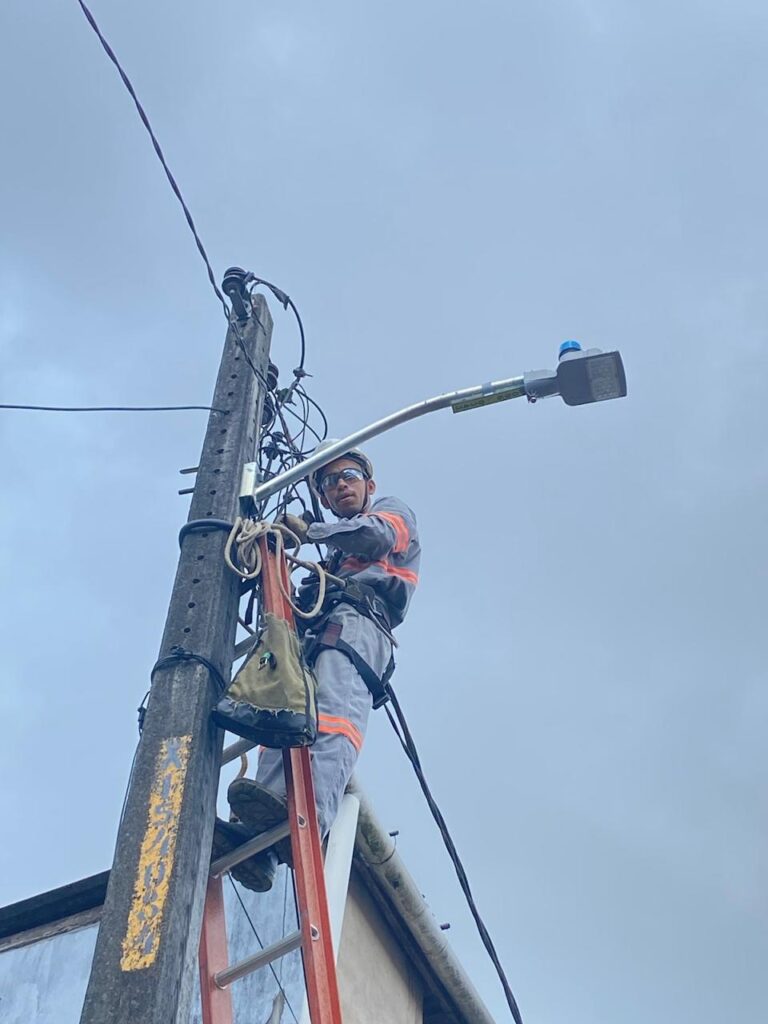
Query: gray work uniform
(379, 548)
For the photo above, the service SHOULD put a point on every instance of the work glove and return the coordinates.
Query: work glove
(296, 524)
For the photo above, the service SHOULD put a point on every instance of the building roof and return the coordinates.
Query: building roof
(449, 996)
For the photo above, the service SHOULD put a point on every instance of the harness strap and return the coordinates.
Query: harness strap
(377, 686)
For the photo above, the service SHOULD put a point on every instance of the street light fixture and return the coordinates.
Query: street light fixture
(580, 379)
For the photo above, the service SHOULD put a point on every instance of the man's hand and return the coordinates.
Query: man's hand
(298, 525)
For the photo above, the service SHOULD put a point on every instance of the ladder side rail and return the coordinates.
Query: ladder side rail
(215, 1001)
(338, 868)
(317, 943)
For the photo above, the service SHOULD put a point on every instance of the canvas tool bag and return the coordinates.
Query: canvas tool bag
(271, 700)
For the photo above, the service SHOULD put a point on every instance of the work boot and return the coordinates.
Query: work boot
(259, 809)
(258, 872)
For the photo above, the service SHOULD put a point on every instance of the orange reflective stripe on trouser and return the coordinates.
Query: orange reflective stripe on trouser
(397, 523)
(330, 724)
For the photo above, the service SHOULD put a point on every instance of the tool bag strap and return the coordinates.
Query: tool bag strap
(378, 686)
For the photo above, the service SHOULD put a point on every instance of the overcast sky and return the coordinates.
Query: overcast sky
(447, 192)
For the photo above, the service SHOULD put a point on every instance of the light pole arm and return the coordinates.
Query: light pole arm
(466, 398)
(580, 378)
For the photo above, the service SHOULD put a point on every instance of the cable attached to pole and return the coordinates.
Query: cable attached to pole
(112, 408)
(403, 734)
(145, 121)
(231, 319)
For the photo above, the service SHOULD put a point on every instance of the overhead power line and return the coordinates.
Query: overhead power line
(111, 408)
(282, 297)
(172, 181)
(174, 185)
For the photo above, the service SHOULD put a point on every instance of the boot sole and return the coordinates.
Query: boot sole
(257, 808)
(253, 873)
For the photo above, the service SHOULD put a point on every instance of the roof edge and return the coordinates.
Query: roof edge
(54, 905)
(385, 872)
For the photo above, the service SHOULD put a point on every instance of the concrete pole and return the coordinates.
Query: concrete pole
(144, 966)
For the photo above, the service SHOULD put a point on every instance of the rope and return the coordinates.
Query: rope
(242, 772)
(246, 534)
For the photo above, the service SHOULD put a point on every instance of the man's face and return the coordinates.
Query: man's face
(346, 498)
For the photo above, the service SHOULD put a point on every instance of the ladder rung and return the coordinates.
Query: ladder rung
(244, 646)
(236, 749)
(253, 846)
(260, 959)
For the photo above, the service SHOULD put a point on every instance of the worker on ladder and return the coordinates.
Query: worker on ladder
(374, 547)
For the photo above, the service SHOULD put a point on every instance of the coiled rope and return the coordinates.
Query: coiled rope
(246, 534)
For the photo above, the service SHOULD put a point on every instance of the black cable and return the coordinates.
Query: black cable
(179, 654)
(313, 403)
(174, 186)
(303, 421)
(112, 408)
(406, 741)
(261, 946)
(282, 450)
(145, 121)
(285, 301)
(306, 412)
(296, 441)
(127, 791)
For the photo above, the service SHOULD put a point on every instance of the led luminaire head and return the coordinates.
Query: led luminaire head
(591, 376)
(580, 377)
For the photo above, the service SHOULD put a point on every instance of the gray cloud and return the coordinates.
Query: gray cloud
(447, 195)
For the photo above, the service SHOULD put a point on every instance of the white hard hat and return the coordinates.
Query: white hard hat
(354, 454)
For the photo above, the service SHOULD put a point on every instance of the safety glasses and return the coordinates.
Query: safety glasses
(331, 480)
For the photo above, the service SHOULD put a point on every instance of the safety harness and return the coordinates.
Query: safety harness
(322, 634)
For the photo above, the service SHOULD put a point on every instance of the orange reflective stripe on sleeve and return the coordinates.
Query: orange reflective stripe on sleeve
(398, 524)
(358, 565)
(332, 724)
(403, 574)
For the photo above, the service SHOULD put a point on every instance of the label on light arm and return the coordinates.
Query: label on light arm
(464, 404)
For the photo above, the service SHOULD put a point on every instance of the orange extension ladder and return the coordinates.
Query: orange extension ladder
(314, 934)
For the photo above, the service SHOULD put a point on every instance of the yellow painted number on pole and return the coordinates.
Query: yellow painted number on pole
(158, 847)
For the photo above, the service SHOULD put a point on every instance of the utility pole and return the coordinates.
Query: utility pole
(144, 966)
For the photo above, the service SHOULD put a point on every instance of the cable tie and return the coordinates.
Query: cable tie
(179, 653)
(141, 711)
(198, 525)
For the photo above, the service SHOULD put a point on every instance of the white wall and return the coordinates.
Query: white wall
(376, 982)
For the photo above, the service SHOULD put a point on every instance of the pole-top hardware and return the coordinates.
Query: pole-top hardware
(233, 285)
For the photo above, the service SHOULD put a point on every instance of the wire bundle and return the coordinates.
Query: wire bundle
(293, 423)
